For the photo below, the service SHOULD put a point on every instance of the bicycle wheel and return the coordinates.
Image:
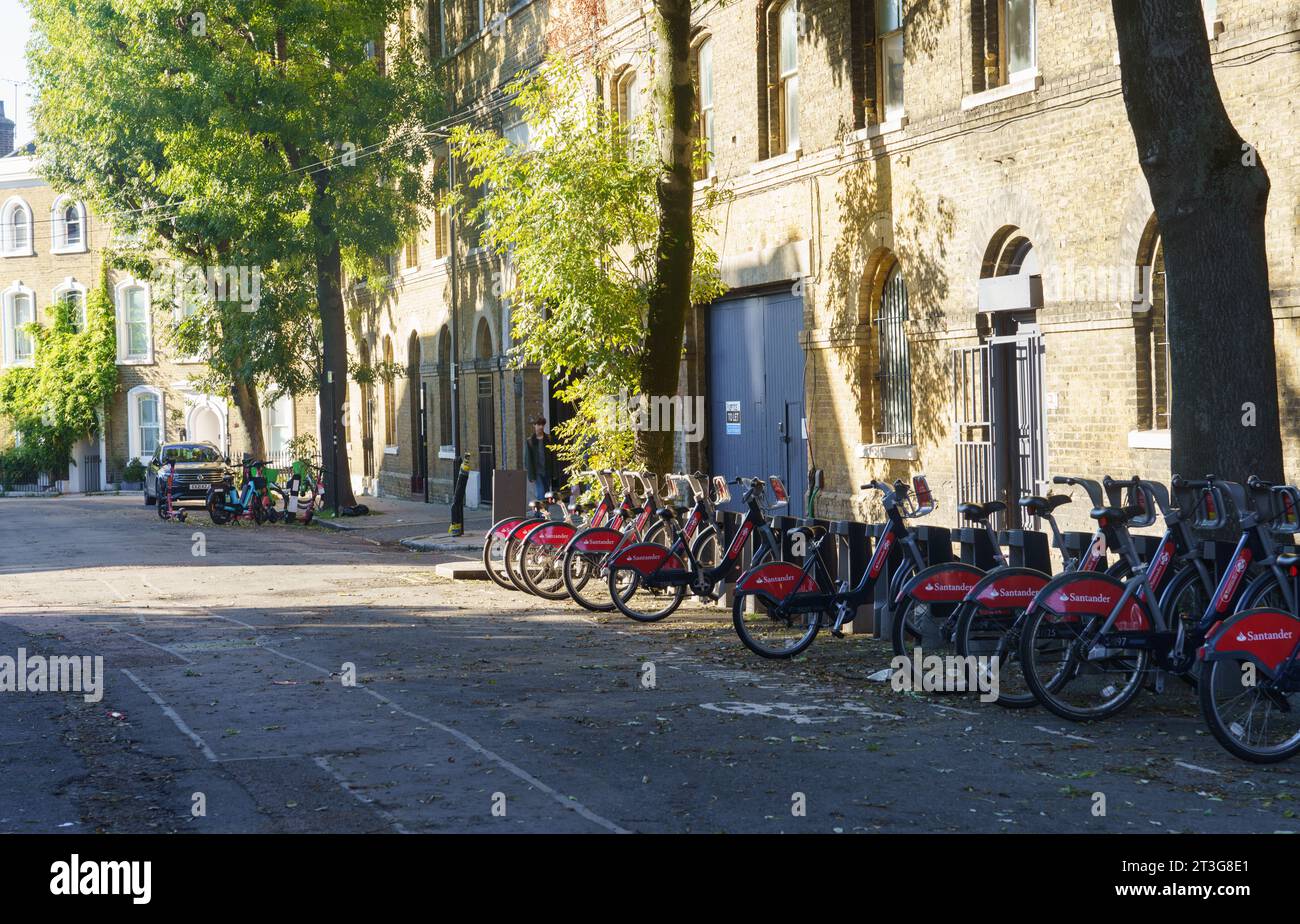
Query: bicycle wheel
(994, 635)
(1264, 592)
(161, 506)
(767, 631)
(306, 501)
(1076, 684)
(543, 566)
(707, 548)
(494, 554)
(639, 598)
(514, 547)
(276, 507)
(1252, 715)
(216, 505)
(919, 626)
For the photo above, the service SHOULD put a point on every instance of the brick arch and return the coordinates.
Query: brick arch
(481, 326)
(1135, 220)
(1015, 210)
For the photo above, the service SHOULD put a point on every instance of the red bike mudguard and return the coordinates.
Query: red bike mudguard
(600, 539)
(949, 582)
(776, 580)
(1265, 636)
(1071, 596)
(646, 558)
(501, 528)
(526, 525)
(1008, 588)
(553, 534)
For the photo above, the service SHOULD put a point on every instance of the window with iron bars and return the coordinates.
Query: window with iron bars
(894, 377)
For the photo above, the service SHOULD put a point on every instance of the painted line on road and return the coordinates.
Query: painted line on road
(569, 803)
(365, 800)
(145, 641)
(172, 714)
(1062, 734)
(1187, 766)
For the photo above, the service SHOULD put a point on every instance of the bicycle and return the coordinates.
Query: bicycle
(1090, 641)
(304, 495)
(588, 555)
(779, 607)
(541, 552)
(662, 573)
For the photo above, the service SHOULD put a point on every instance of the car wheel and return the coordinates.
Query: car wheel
(149, 501)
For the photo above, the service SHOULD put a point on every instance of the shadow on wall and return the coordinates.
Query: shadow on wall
(879, 238)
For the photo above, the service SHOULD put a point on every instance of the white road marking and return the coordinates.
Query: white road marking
(1187, 766)
(365, 800)
(171, 714)
(145, 641)
(1061, 734)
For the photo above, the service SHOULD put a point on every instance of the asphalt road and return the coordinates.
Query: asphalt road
(475, 709)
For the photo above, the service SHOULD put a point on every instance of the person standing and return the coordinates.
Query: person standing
(539, 459)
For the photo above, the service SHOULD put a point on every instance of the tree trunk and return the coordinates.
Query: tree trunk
(670, 289)
(250, 415)
(334, 398)
(1210, 192)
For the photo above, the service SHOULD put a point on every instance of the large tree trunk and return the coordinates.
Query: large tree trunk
(670, 290)
(334, 397)
(1210, 193)
(250, 415)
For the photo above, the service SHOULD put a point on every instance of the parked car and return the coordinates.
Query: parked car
(198, 466)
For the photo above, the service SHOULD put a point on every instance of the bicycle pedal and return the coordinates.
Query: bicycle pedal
(837, 633)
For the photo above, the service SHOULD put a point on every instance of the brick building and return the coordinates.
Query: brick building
(941, 248)
(52, 248)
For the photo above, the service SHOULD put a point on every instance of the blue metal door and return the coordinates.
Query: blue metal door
(756, 409)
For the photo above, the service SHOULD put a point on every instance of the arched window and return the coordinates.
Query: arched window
(72, 293)
(16, 229)
(788, 74)
(68, 226)
(17, 310)
(629, 97)
(703, 67)
(1151, 333)
(144, 409)
(390, 396)
(445, 438)
(894, 375)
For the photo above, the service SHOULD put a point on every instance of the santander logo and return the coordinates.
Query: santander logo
(962, 588)
(1280, 635)
(1083, 598)
(1022, 592)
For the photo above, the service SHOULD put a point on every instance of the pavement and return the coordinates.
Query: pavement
(290, 679)
(414, 524)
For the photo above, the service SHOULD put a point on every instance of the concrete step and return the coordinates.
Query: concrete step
(462, 571)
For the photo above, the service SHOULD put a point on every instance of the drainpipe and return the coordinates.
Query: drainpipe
(452, 224)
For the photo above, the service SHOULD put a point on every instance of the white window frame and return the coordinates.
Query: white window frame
(705, 100)
(629, 97)
(119, 298)
(59, 226)
(1004, 19)
(283, 404)
(7, 246)
(890, 113)
(135, 445)
(787, 79)
(66, 287)
(8, 305)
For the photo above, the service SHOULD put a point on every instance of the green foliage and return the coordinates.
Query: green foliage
(252, 133)
(57, 400)
(578, 214)
(134, 472)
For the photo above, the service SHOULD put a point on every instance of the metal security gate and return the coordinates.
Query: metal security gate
(999, 422)
(90, 474)
(895, 373)
(487, 453)
(972, 423)
(756, 396)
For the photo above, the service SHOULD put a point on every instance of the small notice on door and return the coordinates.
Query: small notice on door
(733, 418)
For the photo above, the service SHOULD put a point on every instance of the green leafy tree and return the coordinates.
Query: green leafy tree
(288, 136)
(577, 212)
(57, 400)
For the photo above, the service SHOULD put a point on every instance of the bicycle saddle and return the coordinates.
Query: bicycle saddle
(1116, 514)
(981, 512)
(665, 513)
(1041, 505)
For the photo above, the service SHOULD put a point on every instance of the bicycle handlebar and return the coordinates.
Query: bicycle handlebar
(1088, 485)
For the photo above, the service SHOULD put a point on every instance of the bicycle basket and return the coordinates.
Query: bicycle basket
(921, 491)
(778, 491)
(721, 492)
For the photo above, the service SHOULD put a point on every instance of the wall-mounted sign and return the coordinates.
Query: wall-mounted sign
(733, 418)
